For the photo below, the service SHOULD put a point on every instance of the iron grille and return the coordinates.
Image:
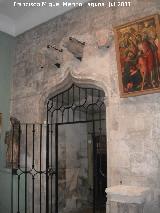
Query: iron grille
(35, 175)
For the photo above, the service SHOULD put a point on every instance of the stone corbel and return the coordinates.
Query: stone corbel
(75, 47)
(50, 56)
(56, 55)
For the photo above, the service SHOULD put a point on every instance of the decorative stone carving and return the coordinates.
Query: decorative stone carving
(103, 38)
(12, 139)
(75, 47)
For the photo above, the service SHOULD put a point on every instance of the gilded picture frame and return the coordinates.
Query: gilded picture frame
(138, 56)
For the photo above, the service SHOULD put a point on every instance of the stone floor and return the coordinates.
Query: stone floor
(84, 210)
(88, 210)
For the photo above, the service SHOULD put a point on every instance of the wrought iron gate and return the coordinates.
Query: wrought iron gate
(36, 173)
(76, 105)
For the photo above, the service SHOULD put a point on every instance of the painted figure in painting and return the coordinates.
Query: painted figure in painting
(12, 140)
(139, 49)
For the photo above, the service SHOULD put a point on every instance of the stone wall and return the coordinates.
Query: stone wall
(132, 123)
(6, 58)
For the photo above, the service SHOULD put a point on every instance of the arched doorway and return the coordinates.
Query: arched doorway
(76, 152)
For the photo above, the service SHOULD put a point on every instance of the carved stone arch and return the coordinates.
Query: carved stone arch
(63, 83)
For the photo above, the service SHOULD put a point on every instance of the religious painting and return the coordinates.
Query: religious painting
(138, 56)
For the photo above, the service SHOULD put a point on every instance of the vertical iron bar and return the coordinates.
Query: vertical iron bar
(56, 163)
(12, 172)
(47, 163)
(106, 152)
(73, 104)
(51, 161)
(68, 108)
(18, 192)
(40, 167)
(32, 193)
(26, 169)
(94, 159)
(62, 105)
(94, 169)
(79, 104)
(57, 109)
(19, 144)
(92, 107)
(86, 101)
(33, 137)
